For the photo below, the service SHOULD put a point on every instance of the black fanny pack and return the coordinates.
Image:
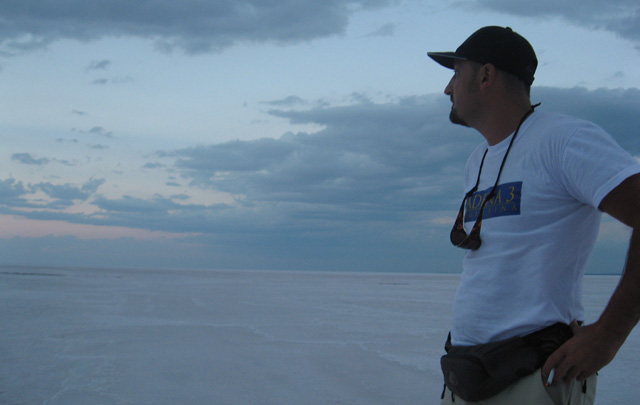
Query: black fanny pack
(475, 373)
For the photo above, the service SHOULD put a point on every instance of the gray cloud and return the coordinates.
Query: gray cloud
(165, 214)
(191, 25)
(65, 162)
(153, 165)
(64, 192)
(12, 192)
(114, 80)
(63, 140)
(128, 204)
(616, 110)
(92, 185)
(65, 195)
(286, 102)
(619, 16)
(386, 30)
(28, 159)
(100, 132)
(99, 64)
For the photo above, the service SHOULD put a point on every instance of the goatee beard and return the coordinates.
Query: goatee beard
(456, 119)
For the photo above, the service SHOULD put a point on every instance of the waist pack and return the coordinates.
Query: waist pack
(475, 373)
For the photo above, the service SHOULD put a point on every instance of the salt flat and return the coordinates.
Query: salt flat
(97, 336)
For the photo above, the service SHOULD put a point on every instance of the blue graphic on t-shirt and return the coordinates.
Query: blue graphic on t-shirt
(505, 202)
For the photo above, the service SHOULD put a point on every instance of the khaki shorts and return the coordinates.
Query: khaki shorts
(531, 390)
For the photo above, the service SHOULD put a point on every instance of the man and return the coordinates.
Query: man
(535, 190)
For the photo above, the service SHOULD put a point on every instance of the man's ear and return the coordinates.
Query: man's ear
(487, 75)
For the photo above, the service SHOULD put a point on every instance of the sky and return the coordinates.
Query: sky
(294, 135)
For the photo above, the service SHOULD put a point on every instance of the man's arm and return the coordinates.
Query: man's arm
(594, 346)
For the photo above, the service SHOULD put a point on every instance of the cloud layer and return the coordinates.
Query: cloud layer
(195, 27)
(619, 16)
(191, 25)
(378, 179)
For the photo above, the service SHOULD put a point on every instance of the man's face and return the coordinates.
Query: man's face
(461, 88)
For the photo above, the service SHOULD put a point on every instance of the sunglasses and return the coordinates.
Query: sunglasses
(459, 237)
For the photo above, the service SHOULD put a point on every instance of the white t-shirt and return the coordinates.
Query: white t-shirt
(539, 231)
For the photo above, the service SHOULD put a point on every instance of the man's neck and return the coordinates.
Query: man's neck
(502, 122)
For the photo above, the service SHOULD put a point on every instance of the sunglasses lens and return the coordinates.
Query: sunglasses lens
(472, 243)
(462, 240)
(458, 237)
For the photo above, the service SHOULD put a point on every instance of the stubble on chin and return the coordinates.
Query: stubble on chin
(456, 119)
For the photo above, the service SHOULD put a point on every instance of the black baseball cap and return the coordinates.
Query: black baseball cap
(502, 47)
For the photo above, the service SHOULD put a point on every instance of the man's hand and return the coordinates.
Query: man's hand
(589, 350)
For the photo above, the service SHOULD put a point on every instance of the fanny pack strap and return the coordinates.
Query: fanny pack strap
(549, 339)
(546, 340)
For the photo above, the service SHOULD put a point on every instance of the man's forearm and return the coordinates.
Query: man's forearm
(623, 311)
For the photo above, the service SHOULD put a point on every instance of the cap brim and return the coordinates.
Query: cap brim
(446, 59)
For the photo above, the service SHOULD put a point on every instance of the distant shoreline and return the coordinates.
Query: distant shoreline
(18, 268)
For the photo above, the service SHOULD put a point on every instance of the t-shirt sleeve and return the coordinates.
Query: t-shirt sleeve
(594, 164)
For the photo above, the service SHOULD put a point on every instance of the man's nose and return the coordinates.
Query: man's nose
(448, 90)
